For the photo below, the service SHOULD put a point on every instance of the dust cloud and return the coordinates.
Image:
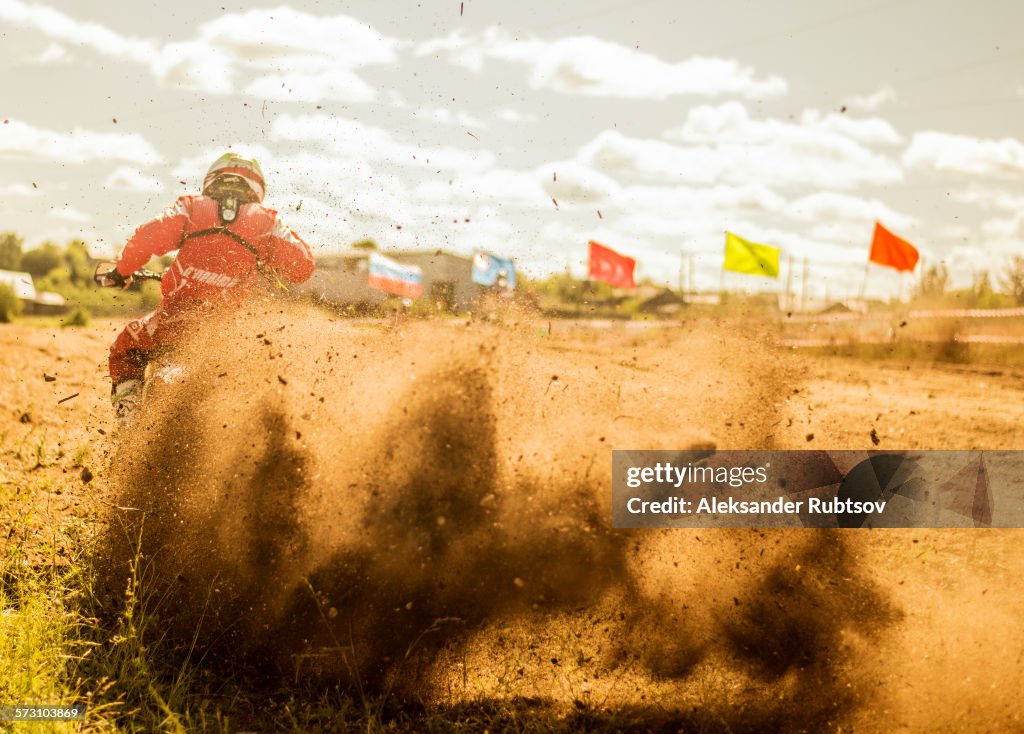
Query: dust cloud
(424, 510)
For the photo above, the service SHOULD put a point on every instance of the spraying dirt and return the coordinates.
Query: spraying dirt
(424, 510)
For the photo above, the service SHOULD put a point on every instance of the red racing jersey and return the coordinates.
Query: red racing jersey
(216, 262)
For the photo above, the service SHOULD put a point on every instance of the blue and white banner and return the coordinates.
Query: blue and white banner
(488, 269)
(394, 277)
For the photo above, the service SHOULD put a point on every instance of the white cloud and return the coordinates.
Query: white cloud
(59, 26)
(725, 143)
(1005, 228)
(18, 189)
(832, 206)
(357, 141)
(841, 231)
(737, 150)
(670, 201)
(465, 51)
(955, 232)
(990, 198)
(94, 238)
(594, 67)
(70, 214)
(395, 99)
(731, 123)
(612, 151)
(128, 178)
(320, 53)
(283, 37)
(683, 227)
(336, 84)
(874, 100)
(445, 116)
(508, 114)
(870, 130)
(602, 69)
(196, 65)
(570, 182)
(78, 146)
(966, 262)
(965, 154)
(54, 53)
(495, 186)
(299, 56)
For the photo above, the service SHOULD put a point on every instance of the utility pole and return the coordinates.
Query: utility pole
(682, 266)
(920, 273)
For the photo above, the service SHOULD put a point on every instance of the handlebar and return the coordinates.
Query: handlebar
(104, 279)
(143, 274)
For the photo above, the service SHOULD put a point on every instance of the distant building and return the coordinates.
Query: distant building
(25, 290)
(665, 302)
(21, 283)
(342, 278)
(704, 299)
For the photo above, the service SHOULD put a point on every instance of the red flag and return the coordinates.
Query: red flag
(608, 266)
(893, 252)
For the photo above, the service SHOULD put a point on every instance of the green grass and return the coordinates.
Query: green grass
(79, 317)
(59, 646)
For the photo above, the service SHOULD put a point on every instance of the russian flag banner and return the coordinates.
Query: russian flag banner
(394, 277)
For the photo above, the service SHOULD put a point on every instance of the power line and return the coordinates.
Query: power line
(949, 71)
(887, 4)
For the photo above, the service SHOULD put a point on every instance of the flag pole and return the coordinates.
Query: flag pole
(864, 283)
(789, 283)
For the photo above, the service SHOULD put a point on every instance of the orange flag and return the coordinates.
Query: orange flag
(891, 251)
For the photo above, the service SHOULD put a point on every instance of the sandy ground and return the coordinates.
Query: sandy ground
(876, 630)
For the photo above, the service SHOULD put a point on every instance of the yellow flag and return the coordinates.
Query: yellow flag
(751, 258)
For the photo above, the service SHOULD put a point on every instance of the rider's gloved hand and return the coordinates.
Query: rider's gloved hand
(120, 281)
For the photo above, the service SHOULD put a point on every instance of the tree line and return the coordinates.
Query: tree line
(68, 270)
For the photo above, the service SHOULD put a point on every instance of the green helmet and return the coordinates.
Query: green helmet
(231, 175)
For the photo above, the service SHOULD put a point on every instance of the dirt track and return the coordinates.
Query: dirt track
(484, 450)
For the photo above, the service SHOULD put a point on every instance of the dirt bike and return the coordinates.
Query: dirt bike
(127, 404)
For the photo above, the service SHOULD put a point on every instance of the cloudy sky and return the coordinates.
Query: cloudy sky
(530, 127)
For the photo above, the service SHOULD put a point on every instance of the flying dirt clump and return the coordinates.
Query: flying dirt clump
(327, 501)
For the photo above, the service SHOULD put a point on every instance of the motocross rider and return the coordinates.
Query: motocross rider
(226, 241)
